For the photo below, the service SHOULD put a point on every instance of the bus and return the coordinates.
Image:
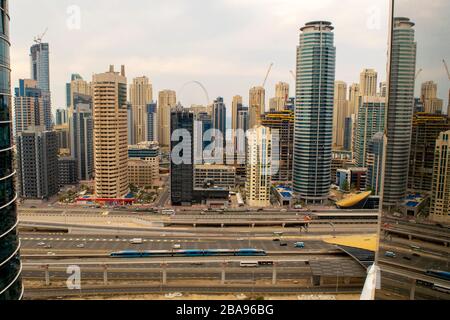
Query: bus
(249, 264)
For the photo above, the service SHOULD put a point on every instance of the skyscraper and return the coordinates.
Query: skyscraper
(75, 76)
(77, 86)
(353, 98)
(110, 134)
(278, 103)
(374, 163)
(399, 111)
(166, 100)
(440, 201)
(368, 83)
(40, 71)
(257, 105)
(28, 106)
(219, 122)
(426, 129)
(152, 122)
(383, 89)
(235, 106)
(341, 112)
(428, 96)
(371, 120)
(37, 163)
(313, 137)
(141, 94)
(182, 167)
(61, 116)
(40, 65)
(202, 125)
(130, 124)
(259, 167)
(10, 265)
(81, 140)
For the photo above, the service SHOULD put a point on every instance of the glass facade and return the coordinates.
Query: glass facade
(313, 137)
(10, 266)
(413, 252)
(181, 172)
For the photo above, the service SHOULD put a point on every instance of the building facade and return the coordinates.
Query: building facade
(426, 129)
(141, 94)
(37, 163)
(256, 106)
(341, 112)
(40, 72)
(29, 108)
(313, 137)
(214, 176)
(440, 195)
(374, 163)
(368, 83)
(182, 168)
(219, 124)
(400, 111)
(166, 100)
(82, 140)
(67, 171)
(259, 167)
(110, 134)
(10, 266)
(371, 120)
(152, 122)
(278, 103)
(428, 96)
(283, 151)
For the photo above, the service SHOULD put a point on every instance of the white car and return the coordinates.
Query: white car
(177, 246)
(41, 244)
(81, 245)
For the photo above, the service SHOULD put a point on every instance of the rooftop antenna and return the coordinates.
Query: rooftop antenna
(38, 38)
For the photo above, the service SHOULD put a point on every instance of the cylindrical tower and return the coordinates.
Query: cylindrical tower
(316, 64)
(10, 265)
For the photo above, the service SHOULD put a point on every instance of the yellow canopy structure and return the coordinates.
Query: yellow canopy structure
(353, 200)
(366, 242)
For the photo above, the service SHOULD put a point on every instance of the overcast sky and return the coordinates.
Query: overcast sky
(433, 40)
(225, 44)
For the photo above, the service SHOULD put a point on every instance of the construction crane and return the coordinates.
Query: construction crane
(446, 68)
(267, 75)
(38, 38)
(418, 73)
(293, 75)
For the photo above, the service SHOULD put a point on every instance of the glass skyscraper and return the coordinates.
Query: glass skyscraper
(10, 265)
(400, 111)
(182, 170)
(313, 137)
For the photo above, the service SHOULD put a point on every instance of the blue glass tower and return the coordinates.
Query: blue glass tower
(316, 64)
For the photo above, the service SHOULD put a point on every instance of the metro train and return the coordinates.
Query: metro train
(189, 253)
(444, 275)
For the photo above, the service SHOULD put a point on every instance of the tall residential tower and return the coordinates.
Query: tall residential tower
(313, 137)
(110, 134)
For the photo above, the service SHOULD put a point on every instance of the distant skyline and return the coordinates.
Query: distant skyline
(227, 45)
